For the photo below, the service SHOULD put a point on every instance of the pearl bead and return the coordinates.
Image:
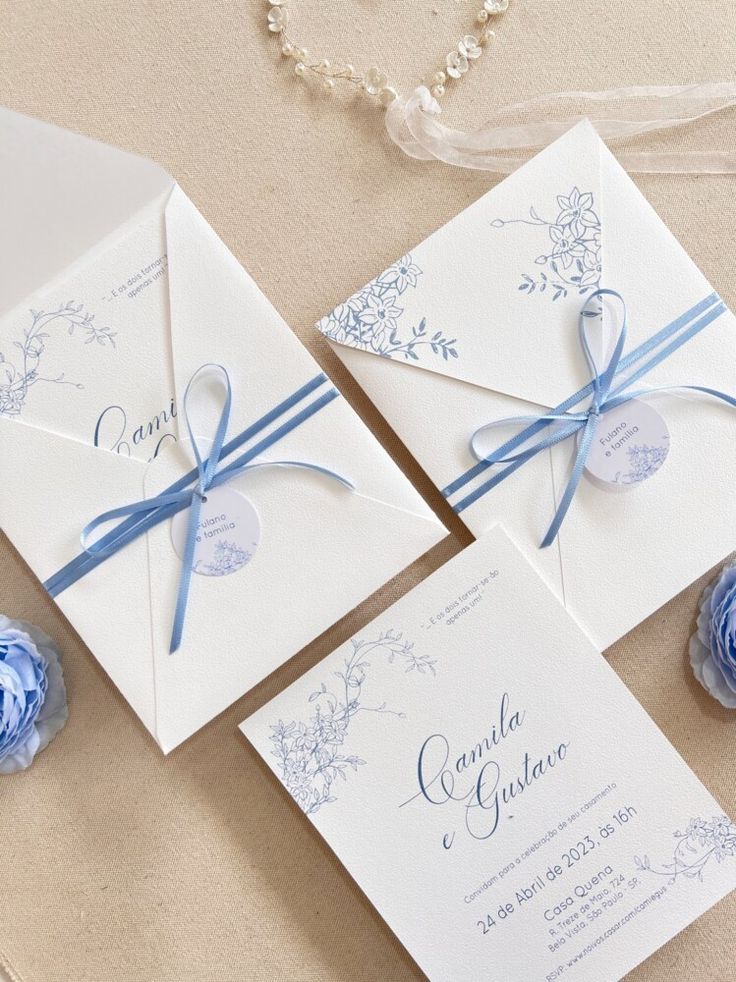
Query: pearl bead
(375, 82)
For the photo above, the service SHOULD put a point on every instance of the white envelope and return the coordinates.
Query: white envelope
(114, 291)
(480, 323)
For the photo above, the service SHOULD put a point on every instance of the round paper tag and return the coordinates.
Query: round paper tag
(629, 446)
(228, 533)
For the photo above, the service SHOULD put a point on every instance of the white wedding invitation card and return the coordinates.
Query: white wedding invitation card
(115, 296)
(493, 787)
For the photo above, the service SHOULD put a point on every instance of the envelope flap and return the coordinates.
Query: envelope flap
(493, 298)
(305, 559)
(61, 194)
(218, 314)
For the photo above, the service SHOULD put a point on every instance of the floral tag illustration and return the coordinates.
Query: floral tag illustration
(630, 445)
(228, 533)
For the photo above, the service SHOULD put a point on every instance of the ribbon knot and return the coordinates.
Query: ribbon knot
(607, 392)
(161, 507)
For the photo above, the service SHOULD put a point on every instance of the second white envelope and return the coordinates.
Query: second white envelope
(480, 323)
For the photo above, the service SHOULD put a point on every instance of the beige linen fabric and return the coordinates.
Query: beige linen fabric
(119, 865)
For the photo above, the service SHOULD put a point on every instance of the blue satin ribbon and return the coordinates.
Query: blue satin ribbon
(152, 511)
(606, 393)
(291, 413)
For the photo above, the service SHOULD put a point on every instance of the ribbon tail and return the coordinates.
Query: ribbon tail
(185, 578)
(656, 389)
(505, 140)
(573, 482)
(222, 477)
(153, 510)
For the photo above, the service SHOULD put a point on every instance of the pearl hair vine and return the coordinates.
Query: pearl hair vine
(511, 133)
(374, 82)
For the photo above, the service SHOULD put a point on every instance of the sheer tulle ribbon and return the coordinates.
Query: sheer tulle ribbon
(157, 509)
(508, 136)
(606, 392)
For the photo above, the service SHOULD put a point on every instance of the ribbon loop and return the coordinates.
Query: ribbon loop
(605, 392)
(155, 510)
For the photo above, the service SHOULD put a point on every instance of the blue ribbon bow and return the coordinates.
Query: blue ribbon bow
(607, 393)
(157, 509)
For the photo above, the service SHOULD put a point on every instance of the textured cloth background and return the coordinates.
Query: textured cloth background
(119, 865)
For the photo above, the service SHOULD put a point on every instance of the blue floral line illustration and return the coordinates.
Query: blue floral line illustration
(17, 379)
(313, 755)
(228, 558)
(370, 319)
(701, 842)
(574, 262)
(643, 461)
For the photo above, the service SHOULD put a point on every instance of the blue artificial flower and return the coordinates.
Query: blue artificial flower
(713, 647)
(32, 695)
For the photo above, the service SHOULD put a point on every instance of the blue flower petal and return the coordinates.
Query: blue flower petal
(32, 695)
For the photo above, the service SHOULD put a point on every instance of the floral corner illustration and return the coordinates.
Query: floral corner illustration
(313, 755)
(701, 842)
(17, 378)
(573, 263)
(371, 319)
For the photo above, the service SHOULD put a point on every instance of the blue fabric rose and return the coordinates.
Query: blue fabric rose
(32, 695)
(713, 647)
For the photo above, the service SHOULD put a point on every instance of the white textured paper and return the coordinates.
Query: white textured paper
(480, 322)
(90, 412)
(494, 788)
